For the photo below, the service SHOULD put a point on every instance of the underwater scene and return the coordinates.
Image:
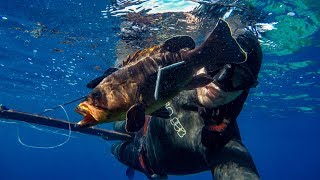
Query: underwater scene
(88, 64)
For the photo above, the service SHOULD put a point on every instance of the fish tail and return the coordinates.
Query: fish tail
(219, 48)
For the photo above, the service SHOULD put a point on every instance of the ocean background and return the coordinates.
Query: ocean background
(50, 49)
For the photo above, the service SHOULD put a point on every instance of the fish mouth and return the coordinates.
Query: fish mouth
(87, 111)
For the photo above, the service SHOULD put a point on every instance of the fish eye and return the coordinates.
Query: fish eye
(96, 98)
(96, 95)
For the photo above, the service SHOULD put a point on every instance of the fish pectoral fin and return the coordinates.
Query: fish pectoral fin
(135, 117)
(93, 83)
(175, 44)
(110, 71)
(199, 80)
(163, 112)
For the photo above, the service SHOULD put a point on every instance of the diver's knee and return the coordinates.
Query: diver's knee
(126, 153)
(232, 170)
(235, 160)
(114, 147)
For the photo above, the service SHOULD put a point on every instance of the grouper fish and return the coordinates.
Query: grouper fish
(129, 92)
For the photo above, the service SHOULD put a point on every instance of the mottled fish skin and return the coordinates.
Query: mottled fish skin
(135, 82)
(131, 84)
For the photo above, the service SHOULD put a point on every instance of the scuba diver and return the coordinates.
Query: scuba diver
(201, 132)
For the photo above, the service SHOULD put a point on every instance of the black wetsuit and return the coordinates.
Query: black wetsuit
(174, 146)
(178, 150)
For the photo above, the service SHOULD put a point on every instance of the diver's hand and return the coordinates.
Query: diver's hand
(212, 96)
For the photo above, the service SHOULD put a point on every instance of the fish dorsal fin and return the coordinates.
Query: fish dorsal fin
(130, 58)
(138, 55)
(175, 44)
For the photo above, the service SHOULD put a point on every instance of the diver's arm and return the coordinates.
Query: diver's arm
(219, 108)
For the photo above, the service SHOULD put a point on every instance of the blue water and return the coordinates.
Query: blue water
(49, 51)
